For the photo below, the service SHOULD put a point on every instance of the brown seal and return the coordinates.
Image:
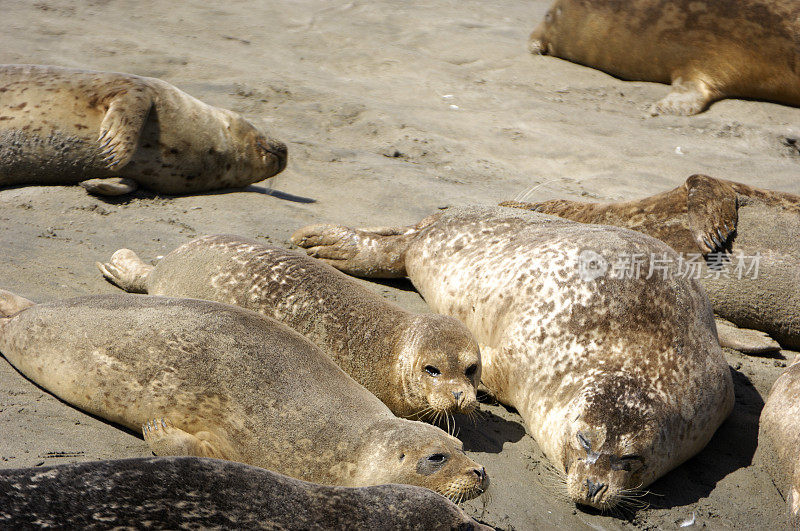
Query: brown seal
(707, 49)
(111, 132)
(200, 493)
(206, 379)
(728, 219)
(420, 365)
(619, 378)
(779, 437)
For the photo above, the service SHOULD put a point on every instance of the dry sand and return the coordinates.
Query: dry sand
(390, 110)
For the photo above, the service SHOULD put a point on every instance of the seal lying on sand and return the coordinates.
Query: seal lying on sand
(112, 131)
(779, 437)
(619, 380)
(420, 365)
(211, 380)
(708, 215)
(707, 50)
(196, 493)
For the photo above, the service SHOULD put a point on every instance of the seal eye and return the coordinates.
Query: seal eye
(584, 442)
(433, 371)
(627, 462)
(471, 370)
(437, 458)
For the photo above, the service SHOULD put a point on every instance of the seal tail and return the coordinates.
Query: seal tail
(11, 304)
(127, 271)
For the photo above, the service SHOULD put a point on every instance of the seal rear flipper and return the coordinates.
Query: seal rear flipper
(686, 98)
(165, 439)
(357, 252)
(127, 271)
(112, 186)
(121, 126)
(745, 340)
(11, 304)
(712, 208)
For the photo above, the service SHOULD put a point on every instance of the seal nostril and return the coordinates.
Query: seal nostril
(593, 488)
(480, 472)
(458, 394)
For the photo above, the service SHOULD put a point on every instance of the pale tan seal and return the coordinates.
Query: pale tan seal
(200, 493)
(420, 365)
(111, 132)
(619, 380)
(732, 220)
(779, 438)
(707, 49)
(206, 379)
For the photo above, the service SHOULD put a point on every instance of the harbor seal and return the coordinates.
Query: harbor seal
(112, 132)
(420, 365)
(707, 50)
(207, 379)
(779, 437)
(201, 493)
(724, 220)
(619, 380)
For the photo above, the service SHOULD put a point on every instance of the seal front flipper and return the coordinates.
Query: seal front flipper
(165, 439)
(745, 340)
(11, 304)
(712, 209)
(121, 126)
(356, 252)
(110, 187)
(686, 98)
(127, 271)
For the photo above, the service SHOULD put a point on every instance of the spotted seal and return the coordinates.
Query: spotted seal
(207, 379)
(727, 220)
(201, 493)
(618, 379)
(111, 132)
(420, 365)
(707, 50)
(779, 437)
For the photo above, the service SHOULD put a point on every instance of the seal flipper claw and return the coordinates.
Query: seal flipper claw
(119, 131)
(712, 209)
(127, 271)
(165, 439)
(110, 187)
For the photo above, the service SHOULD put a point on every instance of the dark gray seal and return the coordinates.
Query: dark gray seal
(198, 493)
(111, 132)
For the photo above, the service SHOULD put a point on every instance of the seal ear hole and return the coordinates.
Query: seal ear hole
(584, 442)
(471, 370)
(402, 456)
(433, 371)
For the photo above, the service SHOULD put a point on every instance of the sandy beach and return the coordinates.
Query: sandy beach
(390, 110)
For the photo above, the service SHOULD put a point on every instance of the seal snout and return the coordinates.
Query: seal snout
(278, 151)
(594, 489)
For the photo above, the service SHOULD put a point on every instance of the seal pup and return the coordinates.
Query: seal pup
(708, 50)
(619, 380)
(718, 218)
(207, 379)
(420, 365)
(111, 132)
(779, 438)
(200, 493)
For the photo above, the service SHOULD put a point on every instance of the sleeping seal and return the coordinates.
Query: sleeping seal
(111, 132)
(619, 377)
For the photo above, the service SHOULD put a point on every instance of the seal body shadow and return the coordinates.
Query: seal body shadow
(206, 379)
(707, 50)
(181, 492)
(114, 131)
(618, 378)
(420, 365)
(742, 224)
